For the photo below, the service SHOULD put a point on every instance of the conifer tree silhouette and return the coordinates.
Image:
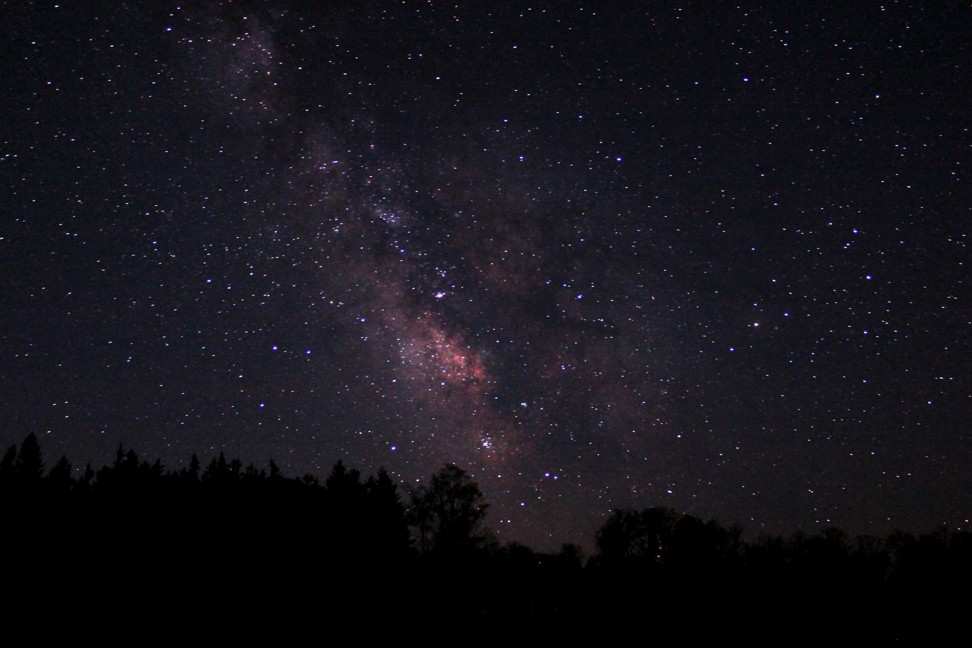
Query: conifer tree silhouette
(29, 466)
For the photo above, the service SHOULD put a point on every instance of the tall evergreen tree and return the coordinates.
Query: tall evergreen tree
(30, 464)
(60, 475)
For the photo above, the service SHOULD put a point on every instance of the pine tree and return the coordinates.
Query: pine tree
(29, 465)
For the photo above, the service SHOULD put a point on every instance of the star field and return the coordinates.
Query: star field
(712, 257)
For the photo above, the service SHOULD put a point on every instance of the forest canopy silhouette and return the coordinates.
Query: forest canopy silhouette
(249, 537)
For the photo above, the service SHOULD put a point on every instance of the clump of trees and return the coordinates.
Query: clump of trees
(253, 540)
(448, 513)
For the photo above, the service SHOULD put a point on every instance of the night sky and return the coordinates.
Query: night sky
(711, 256)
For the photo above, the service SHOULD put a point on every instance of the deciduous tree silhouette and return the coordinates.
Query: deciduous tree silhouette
(448, 513)
(631, 536)
(232, 526)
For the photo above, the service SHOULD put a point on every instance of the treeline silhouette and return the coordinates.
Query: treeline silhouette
(253, 546)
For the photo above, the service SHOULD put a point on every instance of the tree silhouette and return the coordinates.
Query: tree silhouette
(29, 465)
(343, 533)
(191, 473)
(448, 513)
(636, 537)
(387, 526)
(222, 472)
(8, 472)
(7, 463)
(60, 475)
(343, 483)
(255, 537)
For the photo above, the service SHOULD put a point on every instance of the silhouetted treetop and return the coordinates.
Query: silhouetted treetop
(237, 534)
(448, 512)
(29, 465)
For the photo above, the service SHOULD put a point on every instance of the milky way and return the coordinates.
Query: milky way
(706, 257)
